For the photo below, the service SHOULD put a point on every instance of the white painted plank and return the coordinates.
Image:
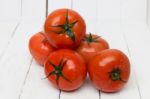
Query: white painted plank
(134, 10)
(36, 87)
(15, 62)
(33, 11)
(109, 10)
(57, 4)
(88, 10)
(137, 36)
(6, 31)
(89, 13)
(87, 91)
(112, 32)
(128, 10)
(148, 13)
(10, 10)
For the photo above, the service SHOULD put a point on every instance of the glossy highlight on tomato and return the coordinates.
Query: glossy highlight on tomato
(92, 45)
(65, 28)
(109, 71)
(65, 69)
(39, 47)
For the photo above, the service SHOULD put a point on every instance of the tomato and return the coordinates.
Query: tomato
(39, 47)
(91, 46)
(65, 28)
(109, 71)
(65, 69)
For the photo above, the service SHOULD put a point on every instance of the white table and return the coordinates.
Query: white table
(117, 21)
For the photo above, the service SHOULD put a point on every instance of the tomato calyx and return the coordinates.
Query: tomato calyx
(89, 39)
(67, 28)
(58, 71)
(115, 75)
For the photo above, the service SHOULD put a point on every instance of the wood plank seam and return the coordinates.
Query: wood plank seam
(99, 94)
(59, 94)
(128, 49)
(129, 52)
(24, 82)
(21, 8)
(46, 11)
(10, 39)
(13, 33)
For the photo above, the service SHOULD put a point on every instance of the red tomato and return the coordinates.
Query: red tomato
(39, 47)
(65, 69)
(91, 46)
(109, 71)
(65, 28)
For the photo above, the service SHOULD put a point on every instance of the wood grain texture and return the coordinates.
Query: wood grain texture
(7, 31)
(14, 65)
(137, 37)
(36, 87)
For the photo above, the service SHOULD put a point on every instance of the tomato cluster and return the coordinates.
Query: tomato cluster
(68, 53)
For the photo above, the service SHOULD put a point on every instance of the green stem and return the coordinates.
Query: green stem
(66, 28)
(58, 71)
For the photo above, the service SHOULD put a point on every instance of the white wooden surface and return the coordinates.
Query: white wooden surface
(123, 23)
(148, 12)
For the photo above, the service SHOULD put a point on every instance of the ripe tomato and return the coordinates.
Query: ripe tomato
(65, 28)
(91, 46)
(65, 69)
(110, 70)
(39, 47)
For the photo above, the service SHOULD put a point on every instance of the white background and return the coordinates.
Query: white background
(123, 23)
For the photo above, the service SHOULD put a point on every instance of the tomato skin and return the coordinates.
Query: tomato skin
(74, 69)
(58, 17)
(102, 65)
(40, 48)
(89, 50)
